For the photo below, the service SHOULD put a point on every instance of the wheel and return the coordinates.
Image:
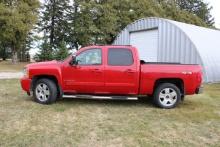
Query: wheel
(45, 91)
(167, 95)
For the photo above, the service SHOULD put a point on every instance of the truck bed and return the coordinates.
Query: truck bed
(172, 63)
(190, 75)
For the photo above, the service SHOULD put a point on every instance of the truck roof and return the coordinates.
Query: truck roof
(109, 46)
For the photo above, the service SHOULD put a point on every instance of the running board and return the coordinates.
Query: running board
(100, 97)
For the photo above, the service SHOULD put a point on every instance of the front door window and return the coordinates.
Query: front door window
(90, 57)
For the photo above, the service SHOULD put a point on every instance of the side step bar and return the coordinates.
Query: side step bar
(100, 97)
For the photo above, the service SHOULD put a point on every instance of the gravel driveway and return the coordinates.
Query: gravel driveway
(10, 75)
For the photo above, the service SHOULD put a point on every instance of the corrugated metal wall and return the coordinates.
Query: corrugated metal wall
(173, 45)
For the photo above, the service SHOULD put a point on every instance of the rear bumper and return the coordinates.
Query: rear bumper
(26, 84)
(199, 90)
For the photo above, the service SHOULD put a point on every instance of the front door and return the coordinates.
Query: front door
(87, 77)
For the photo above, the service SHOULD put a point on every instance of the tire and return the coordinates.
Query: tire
(45, 91)
(167, 96)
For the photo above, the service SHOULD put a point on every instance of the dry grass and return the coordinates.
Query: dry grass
(7, 66)
(85, 123)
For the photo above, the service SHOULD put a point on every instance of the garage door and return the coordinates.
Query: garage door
(147, 44)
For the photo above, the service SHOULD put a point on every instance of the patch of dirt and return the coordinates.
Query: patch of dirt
(10, 75)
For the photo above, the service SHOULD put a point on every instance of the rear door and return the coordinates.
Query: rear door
(121, 73)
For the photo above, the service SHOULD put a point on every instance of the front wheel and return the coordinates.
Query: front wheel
(45, 91)
(167, 95)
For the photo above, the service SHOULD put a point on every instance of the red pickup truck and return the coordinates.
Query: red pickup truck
(116, 71)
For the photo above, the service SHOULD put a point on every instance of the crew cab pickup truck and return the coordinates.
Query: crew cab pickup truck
(111, 71)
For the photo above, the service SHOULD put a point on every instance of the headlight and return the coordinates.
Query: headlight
(25, 72)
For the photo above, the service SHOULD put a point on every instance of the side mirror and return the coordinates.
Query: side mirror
(73, 61)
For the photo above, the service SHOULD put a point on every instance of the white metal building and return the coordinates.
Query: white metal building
(163, 40)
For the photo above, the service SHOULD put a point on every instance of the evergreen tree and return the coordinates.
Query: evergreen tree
(62, 51)
(26, 47)
(199, 8)
(74, 28)
(17, 18)
(171, 11)
(45, 53)
(3, 51)
(54, 21)
(95, 23)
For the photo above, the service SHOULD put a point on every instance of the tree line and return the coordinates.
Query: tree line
(71, 24)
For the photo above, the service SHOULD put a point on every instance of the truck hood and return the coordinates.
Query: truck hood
(46, 63)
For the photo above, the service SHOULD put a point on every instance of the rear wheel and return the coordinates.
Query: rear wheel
(167, 95)
(45, 91)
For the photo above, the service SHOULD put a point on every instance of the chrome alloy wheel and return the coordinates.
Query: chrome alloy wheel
(42, 92)
(168, 97)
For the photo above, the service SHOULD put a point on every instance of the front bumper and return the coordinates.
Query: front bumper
(26, 84)
(199, 90)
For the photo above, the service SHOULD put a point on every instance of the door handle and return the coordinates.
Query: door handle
(97, 70)
(130, 71)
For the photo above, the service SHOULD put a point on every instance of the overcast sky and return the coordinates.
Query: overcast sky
(215, 11)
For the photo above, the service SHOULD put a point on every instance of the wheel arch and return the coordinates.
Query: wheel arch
(176, 81)
(50, 77)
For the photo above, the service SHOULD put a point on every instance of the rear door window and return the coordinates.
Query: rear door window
(120, 57)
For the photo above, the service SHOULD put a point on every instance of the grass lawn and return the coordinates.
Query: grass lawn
(85, 123)
(7, 66)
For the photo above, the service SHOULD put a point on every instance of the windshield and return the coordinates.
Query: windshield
(62, 60)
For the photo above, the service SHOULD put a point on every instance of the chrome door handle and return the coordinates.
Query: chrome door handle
(130, 71)
(97, 70)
